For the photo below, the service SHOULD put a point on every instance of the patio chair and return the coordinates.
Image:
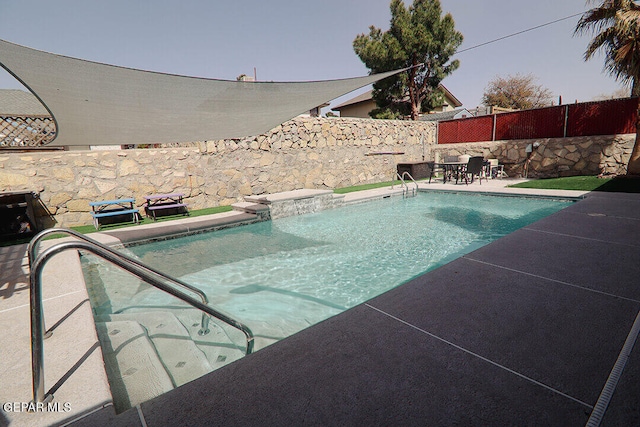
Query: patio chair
(475, 167)
(496, 170)
(434, 169)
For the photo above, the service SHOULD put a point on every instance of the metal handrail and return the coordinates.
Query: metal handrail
(142, 272)
(35, 242)
(404, 184)
(414, 181)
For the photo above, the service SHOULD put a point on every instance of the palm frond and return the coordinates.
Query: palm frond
(616, 28)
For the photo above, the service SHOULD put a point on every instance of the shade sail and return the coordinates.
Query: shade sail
(99, 104)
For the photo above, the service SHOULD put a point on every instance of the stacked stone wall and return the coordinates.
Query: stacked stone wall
(315, 153)
(552, 157)
(302, 153)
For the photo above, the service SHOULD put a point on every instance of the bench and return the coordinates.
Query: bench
(164, 202)
(112, 208)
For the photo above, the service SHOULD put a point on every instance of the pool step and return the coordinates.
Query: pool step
(182, 358)
(222, 345)
(251, 208)
(150, 353)
(135, 372)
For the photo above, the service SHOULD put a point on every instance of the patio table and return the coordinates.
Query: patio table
(451, 169)
(164, 202)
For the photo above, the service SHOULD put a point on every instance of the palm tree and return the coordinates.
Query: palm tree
(616, 25)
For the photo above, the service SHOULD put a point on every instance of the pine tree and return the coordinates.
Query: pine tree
(421, 38)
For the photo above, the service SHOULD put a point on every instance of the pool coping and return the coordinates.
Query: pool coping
(101, 404)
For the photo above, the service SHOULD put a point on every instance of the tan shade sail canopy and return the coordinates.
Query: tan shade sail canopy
(99, 104)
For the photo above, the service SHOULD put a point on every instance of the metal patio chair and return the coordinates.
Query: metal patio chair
(475, 167)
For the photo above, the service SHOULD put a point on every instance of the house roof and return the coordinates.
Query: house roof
(368, 96)
(448, 94)
(446, 115)
(363, 97)
(16, 102)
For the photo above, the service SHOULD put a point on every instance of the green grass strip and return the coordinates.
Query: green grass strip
(345, 190)
(584, 183)
(84, 229)
(619, 184)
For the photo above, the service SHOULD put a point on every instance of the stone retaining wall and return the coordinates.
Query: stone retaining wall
(552, 157)
(314, 153)
(302, 153)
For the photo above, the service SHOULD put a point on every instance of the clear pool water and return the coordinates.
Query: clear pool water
(281, 276)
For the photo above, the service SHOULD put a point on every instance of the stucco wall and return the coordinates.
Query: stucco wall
(302, 153)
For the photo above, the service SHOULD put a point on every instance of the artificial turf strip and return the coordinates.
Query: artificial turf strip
(585, 183)
(346, 190)
(84, 229)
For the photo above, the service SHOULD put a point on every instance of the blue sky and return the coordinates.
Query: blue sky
(294, 40)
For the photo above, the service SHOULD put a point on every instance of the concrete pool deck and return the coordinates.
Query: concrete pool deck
(524, 331)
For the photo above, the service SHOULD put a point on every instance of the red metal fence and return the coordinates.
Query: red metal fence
(611, 117)
(468, 130)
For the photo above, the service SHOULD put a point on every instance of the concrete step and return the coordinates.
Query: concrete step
(135, 372)
(222, 345)
(250, 207)
(181, 357)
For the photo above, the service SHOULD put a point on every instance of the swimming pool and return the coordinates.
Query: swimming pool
(282, 276)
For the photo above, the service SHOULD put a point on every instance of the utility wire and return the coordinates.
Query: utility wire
(520, 32)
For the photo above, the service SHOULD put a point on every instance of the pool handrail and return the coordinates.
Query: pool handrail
(405, 190)
(35, 243)
(137, 269)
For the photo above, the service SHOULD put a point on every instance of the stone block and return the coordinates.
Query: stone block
(608, 150)
(546, 162)
(60, 199)
(513, 154)
(574, 156)
(12, 180)
(560, 152)
(78, 205)
(105, 186)
(102, 173)
(128, 167)
(580, 165)
(267, 159)
(63, 173)
(595, 158)
(245, 189)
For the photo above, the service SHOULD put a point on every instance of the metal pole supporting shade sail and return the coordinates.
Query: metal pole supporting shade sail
(99, 104)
